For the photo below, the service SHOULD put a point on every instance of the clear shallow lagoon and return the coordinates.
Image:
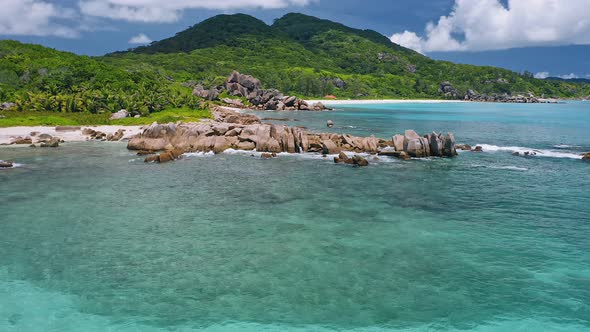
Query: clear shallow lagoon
(93, 239)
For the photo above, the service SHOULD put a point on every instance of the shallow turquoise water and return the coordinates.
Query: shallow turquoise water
(93, 239)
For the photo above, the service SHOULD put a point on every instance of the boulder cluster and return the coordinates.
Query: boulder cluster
(412, 145)
(448, 90)
(44, 140)
(504, 98)
(242, 133)
(100, 136)
(250, 88)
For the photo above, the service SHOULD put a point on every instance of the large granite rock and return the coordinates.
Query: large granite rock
(7, 106)
(122, 114)
(447, 89)
(449, 149)
(436, 145)
(415, 145)
(398, 142)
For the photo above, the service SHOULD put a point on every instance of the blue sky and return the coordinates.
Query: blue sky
(547, 37)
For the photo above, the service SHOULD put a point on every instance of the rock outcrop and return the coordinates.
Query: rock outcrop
(586, 156)
(243, 133)
(250, 88)
(447, 89)
(45, 140)
(22, 141)
(355, 160)
(165, 156)
(116, 136)
(505, 98)
(100, 136)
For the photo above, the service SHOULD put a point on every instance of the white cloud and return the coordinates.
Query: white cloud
(542, 75)
(170, 10)
(34, 17)
(408, 39)
(488, 25)
(568, 76)
(140, 39)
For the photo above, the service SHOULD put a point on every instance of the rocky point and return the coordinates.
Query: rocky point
(233, 130)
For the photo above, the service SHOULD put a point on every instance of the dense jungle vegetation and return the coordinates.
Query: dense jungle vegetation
(299, 55)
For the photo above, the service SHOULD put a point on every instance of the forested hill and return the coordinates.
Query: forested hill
(311, 57)
(298, 54)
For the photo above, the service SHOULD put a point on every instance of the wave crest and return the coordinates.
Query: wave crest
(539, 152)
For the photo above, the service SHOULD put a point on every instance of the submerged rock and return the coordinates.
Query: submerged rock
(359, 161)
(330, 124)
(268, 155)
(6, 164)
(53, 143)
(355, 160)
(464, 147)
(165, 156)
(586, 156)
(403, 155)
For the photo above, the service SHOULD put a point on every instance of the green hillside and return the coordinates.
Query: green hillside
(40, 79)
(304, 55)
(299, 55)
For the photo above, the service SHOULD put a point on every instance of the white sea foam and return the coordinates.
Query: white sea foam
(509, 168)
(307, 156)
(199, 154)
(539, 152)
(566, 147)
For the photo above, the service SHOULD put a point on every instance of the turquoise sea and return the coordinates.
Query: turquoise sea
(93, 239)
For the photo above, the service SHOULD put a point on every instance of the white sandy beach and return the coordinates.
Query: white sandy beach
(335, 102)
(8, 134)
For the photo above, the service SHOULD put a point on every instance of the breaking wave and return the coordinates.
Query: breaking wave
(539, 152)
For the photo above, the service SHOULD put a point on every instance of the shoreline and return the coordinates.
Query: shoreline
(382, 101)
(8, 134)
